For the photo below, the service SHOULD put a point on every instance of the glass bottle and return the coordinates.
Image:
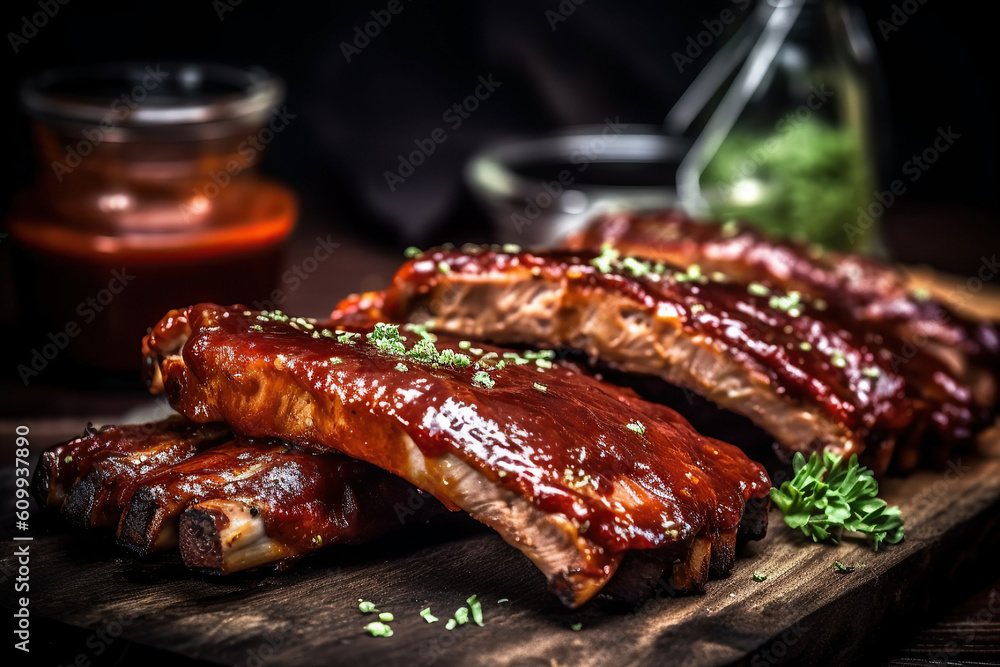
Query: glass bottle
(146, 198)
(786, 139)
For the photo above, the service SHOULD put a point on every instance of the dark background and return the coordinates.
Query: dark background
(609, 58)
(606, 59)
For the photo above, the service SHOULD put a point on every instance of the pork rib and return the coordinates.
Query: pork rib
(857, 286)
(92, 477)
(570, 470)
(269, 502)
(949, 361)
(782, 361)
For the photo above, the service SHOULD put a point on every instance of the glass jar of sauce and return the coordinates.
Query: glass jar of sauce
(146, 199)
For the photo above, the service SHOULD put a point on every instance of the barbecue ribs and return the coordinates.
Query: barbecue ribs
(792, 362)
(570, 470)
(228, 503)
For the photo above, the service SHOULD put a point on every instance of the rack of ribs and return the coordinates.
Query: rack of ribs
(855, 286)
(228, 503)
(792, 362)
(946, 358)
(578, 474)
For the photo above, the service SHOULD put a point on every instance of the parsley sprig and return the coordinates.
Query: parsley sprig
(827, 497)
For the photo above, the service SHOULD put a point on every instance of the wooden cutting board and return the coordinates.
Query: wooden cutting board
(81, 584)
(92, 605)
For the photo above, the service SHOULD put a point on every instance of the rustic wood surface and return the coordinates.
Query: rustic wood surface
(308, 615)
(91, 604)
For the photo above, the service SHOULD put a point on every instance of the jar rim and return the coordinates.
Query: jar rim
(139, 94)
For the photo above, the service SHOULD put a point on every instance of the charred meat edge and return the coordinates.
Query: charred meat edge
(575, 567)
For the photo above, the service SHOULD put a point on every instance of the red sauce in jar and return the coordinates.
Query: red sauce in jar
(143, 207)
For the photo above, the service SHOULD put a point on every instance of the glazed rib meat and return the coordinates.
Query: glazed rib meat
(249, 503)
(949, 362)
(245, 503)
(858, 286)
(92, 477)
(782, 360)
(570, 470)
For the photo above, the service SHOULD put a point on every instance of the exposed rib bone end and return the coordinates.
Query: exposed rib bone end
(224, 536)
(146, 525)
(47, 491)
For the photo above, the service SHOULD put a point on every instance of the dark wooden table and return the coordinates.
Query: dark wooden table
(961, 628)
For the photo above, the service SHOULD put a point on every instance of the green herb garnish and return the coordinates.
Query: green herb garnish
(576, 627)
(420, 330)
(757, 289)
(346, 337)
(540, 387)
(483, 379)
(366, 607)
(759, 576)
(790, 303)
(451, 358)
(477, 610)
(502, 600)
(427, 616)
(450, 625)
(387, 339)
(379, 629)
(68, 459)
(462, 615)
(335, 360)
(637, 427)
(412, 252)
(443, 267)
(402, 367)
(385, 617)
(605, 261)
(843, 569)
(827, 497)
(424, 351)
(636, 267)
